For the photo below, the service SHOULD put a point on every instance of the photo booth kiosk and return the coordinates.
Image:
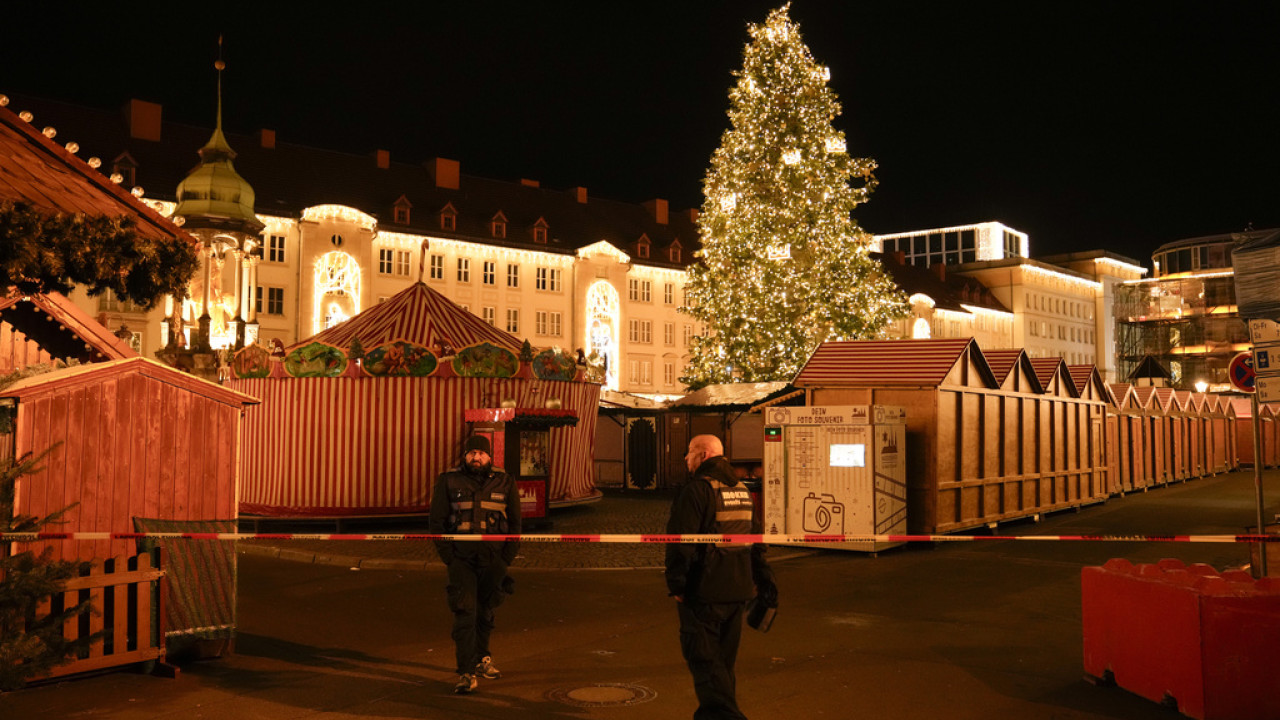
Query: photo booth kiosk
(836, 471)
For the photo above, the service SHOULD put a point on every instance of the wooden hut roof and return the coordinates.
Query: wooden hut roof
(889, 362)
(61, 328)
(36, 170)
(1147, 399)
(1050, 368)
(733, 394)
(1149, 368)
(1122, 395)
(94, 373)
(418, 315)
(1007, 364)
(1088, 382)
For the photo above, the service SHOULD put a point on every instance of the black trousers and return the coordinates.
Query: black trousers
(709, 638)
(475, 589)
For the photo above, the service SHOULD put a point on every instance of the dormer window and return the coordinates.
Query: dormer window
(127, 168)
(448, 218)
(642, 247)
(540, 231)
(498, 226)
(400, 211)
(673, 253)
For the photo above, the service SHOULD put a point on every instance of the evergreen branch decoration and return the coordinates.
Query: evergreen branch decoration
(43, 252)
(32, 644)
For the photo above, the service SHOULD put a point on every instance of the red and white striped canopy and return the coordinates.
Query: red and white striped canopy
(418, 315)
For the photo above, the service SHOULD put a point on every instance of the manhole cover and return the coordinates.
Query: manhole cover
(602, 695)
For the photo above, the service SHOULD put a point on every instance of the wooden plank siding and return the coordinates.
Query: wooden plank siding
(1028, 437)
(135, 440)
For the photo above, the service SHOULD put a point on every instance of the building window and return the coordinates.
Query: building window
(464, 270)
(547, 323)
(499, 229)
(448, 222)
(547, 279)
(640, 372)
(437, 267)
(336, 240)
(489, 275)
(540, 235)
(669, 373)
(642, 250)
(513, 320)
(275, 248)
(402, 215)
(674, 254)
(641, 331)
(640, 290)
(385, 257)
(513, 275)
(489, 315)
(110, 302)
(687, 335)
(275, 300)
(669, 293)
(402, 262)
(669, 334)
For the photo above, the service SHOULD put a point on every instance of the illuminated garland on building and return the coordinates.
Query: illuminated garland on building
(783, 266)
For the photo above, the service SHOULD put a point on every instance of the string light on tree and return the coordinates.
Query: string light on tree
(783, 265)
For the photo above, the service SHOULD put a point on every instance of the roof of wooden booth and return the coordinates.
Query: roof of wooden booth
(859, 363)
(39, 171)
(61, 328)
(93, 373)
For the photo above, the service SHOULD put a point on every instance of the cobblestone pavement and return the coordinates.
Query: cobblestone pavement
(617, 512)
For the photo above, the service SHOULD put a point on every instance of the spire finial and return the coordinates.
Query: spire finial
(219, 65)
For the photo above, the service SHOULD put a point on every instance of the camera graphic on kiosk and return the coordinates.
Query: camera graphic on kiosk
(823, 515)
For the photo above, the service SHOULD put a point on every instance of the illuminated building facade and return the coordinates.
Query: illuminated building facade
(341, 232)
(1185, 317)
(1057, 306)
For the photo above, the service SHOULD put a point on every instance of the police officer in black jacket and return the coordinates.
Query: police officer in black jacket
(712, 582)
(475, 498)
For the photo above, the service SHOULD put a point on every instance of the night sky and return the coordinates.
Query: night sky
(1114, 125)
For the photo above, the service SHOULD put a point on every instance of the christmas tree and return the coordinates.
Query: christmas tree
(31, 639)
(783, 265)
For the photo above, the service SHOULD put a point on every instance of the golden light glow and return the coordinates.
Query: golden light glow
(603, 247)
(337, 289)
(320, 213)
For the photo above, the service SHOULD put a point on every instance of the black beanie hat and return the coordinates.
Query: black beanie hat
(477, 442)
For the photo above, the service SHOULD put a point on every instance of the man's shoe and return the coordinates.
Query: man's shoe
(486, 670)
(466, 684)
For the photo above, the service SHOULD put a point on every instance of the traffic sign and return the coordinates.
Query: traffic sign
(1240, 372)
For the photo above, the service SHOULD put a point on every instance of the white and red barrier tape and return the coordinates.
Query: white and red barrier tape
(648, 538)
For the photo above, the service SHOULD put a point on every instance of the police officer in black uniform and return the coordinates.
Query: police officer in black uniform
(712, 582)
(475, 498)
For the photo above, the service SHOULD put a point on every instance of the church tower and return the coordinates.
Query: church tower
(215, 204)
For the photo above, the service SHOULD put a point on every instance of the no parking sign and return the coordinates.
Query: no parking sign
(1241, 373)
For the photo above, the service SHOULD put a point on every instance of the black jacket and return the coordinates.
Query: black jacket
(711, 573)
(463, 502)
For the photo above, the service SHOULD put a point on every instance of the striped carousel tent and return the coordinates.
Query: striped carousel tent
(344, 431)
(418, 315)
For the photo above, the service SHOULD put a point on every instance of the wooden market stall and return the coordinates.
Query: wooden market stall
(135, 439)
(981, 450)
(361, 418)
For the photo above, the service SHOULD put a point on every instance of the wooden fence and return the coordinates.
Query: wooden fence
(128, 599)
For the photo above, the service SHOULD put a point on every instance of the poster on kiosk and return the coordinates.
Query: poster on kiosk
(836, 471)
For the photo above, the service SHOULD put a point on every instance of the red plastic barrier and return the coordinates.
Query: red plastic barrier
(1207, 641)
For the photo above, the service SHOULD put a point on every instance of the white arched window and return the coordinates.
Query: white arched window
(602, 328)
(337, 290)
